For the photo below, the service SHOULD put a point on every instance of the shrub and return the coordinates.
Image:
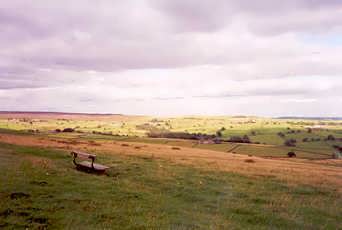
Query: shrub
(290, 142)
(246, 139)
(291, 154)
(145, 126)
(237, 139)
(175, 148)
(250, 161)
(68, 130)
(330, 138)
(280, 134)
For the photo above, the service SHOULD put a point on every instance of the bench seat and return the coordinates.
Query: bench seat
(88, 166)
(96, 166)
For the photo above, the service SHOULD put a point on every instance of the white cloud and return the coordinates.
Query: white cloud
(171, 56)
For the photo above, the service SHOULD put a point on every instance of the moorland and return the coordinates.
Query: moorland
(193, 172)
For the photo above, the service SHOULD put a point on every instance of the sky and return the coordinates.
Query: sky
(172, 57)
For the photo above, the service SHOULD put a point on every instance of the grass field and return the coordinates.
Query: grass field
(41, 189)
(160, 183)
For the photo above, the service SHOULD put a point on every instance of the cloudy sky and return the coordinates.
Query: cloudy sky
(172, 57)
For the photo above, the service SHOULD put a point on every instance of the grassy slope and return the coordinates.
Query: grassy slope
(145, 193)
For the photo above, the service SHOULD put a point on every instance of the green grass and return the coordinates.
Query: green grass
(40, 188)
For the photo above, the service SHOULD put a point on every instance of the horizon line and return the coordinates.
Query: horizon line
(187, 115)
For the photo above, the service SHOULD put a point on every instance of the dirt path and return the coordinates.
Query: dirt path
(322, 173)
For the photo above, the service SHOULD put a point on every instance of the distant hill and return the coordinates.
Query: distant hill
(310, 118)
(58, 113)
(62, 115)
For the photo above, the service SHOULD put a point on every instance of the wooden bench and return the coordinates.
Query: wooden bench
(88, 166)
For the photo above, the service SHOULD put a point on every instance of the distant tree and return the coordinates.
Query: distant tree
(219, 133)
(309, 130)
(237, 139)
(253, 133)
(246, 139)
(305, 139)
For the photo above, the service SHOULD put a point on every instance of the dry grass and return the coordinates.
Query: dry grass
(144, 192)
(324, 173)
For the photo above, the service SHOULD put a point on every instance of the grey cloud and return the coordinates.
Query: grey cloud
(262, 16)
(258, 92)
(110, 36)
(17, 84)
(195, 15)
(48, 48)
(86, 99)
(168, 98)
(14, 70)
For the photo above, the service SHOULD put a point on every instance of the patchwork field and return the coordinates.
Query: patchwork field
(314, 139)
(165, 183)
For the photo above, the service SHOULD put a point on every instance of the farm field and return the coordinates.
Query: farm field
(165, 183)
(267, 135)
